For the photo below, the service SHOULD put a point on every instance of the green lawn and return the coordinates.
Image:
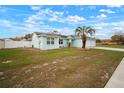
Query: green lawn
(69, 67)
(112, 46)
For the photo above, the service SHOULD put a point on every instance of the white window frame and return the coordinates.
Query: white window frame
(50, 41)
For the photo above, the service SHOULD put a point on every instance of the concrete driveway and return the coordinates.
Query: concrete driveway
(117, 79)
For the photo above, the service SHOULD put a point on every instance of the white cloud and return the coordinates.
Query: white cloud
(23, 28)
(99, 27)
(5, 23)
(106, 10)
(101, 24)
(109, 28)
(38, 18)
(56, 19)
(65, 6)
(121, 23)
(92, 17)
(113, 24)
(101, 16)
(81, 8)
(44, 14)
(65, 30)
(2, 9)
(53, 16)
(13, 26)
(92, 7)
(36, 7)
(35, 22)
(75, 19)
(112, 6)
(118, 28)
(16, 27)
(66, 12)
(69, 19)
(100, 34)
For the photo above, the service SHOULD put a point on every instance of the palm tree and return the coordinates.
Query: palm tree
(83, 32)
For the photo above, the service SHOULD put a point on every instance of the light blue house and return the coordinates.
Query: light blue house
(46, 41)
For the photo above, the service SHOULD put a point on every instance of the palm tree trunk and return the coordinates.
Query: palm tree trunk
(84, 43)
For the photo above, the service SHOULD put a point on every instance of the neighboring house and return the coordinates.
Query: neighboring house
(46, 41)
(11, 43)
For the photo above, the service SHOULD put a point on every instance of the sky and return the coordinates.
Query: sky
(23, 19)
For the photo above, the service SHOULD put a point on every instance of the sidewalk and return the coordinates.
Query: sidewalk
(117, 79)
(106, 48)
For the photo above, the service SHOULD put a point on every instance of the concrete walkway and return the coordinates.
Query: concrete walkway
(106, 48)
(117, 79)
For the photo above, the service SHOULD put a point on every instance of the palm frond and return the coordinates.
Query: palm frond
(90, 31)
(78, 31)
(84, 30)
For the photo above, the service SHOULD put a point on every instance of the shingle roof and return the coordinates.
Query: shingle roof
(48, 34)
(54, 34)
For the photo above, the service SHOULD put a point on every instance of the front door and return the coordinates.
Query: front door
(61, 43)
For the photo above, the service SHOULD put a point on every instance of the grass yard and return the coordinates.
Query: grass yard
(69, 67)
(112, 46)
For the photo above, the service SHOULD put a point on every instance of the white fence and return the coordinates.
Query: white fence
(17, 44)
(2, 44)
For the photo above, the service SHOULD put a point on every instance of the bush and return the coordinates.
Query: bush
(118, 38)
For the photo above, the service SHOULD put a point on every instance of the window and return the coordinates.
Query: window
(50, 40)
(60, 41)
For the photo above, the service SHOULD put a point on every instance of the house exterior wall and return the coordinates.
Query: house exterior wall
(2, 44)
(17, 44)
(35, 41)
(46, 46)
(41, 42)
(91, 43)
(65, 43)
(78, 43)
